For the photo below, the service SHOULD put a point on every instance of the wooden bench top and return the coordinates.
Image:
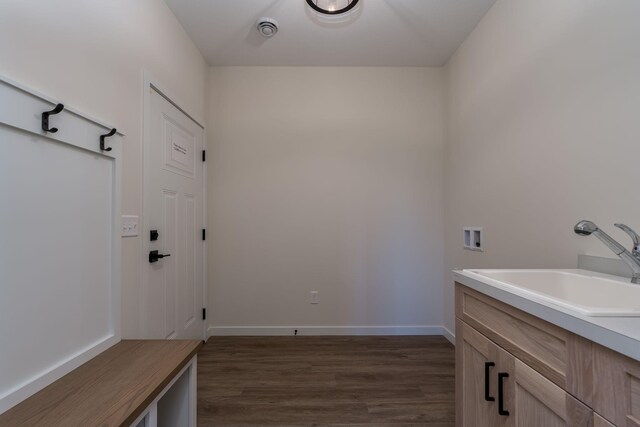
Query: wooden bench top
(112, 389)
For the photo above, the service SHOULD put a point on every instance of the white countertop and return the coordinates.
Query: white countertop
(621, 334)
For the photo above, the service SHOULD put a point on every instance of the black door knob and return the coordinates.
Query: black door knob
(154, 256)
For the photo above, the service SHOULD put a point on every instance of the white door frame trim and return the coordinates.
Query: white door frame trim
(149, 82)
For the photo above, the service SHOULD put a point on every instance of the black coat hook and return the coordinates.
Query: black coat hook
(106, 135)
(45, 118)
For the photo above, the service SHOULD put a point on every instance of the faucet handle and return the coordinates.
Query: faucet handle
(634, 236)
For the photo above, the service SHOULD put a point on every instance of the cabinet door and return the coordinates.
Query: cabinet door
(598, 421)
(534, 401)
(476, 388)
(617, 387)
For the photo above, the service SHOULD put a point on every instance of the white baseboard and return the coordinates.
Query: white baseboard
(449, 335)
(214, 331)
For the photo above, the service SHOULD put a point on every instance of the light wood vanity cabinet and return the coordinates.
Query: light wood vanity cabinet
(616, 387)
(499, 390)
(548, 376)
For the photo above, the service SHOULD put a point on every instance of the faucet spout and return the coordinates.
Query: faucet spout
(587, 228)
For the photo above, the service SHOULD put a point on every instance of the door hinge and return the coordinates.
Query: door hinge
(204, 155)
(204, 314)
(204, 234)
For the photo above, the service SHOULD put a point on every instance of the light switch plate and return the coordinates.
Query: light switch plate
(129, 225)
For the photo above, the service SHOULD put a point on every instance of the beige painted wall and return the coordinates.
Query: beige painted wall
(543, 112)
(331, 179)
(91, 55)
(326, 179)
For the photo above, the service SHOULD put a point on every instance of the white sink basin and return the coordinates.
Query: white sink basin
(581, 291)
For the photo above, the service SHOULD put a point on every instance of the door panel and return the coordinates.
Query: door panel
(477, 352)
(174, 285)
(168, 279)
(538, 402)
(617, 387)
(532, 412)
(598, 421)
(189, 295)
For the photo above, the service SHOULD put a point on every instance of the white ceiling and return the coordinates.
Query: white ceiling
(380, 33)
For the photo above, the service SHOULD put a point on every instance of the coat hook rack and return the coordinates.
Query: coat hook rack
(45, 118)
(106, 135)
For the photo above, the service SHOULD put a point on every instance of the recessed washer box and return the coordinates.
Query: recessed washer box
(473, 238)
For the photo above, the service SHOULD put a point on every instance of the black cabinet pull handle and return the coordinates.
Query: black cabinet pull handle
(501, 377)
(487, 391)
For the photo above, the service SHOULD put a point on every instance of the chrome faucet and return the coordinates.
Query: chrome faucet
(632, 259)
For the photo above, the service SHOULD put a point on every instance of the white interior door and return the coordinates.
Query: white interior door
(173, 295)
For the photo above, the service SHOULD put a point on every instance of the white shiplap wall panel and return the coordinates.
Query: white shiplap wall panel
(59, 242)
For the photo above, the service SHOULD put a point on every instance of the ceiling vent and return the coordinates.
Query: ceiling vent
(267, 27)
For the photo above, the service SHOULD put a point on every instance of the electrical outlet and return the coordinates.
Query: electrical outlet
(314, 297)
(129, 225)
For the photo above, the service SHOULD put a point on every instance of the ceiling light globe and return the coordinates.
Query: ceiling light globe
(332, 7)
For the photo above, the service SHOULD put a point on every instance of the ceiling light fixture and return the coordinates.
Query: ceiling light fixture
(332, 7)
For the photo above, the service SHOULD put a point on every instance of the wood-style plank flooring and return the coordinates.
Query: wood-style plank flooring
(326, 381)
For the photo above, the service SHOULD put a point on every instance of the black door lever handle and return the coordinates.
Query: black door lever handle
(154, 256)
